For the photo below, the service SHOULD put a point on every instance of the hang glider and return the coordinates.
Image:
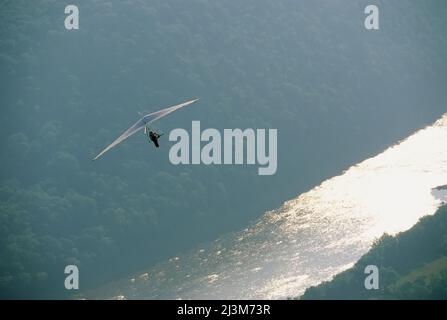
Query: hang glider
(140, 124)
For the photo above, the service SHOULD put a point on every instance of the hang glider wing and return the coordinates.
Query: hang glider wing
(140, 124)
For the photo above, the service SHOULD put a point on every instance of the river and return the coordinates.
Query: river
(310, 238)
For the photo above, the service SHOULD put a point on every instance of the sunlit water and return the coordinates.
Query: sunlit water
(310, 238)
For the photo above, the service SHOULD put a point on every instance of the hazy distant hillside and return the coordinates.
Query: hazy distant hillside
(336, 93)
(412, 265)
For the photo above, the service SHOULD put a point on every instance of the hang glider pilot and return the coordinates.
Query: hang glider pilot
(153, 136)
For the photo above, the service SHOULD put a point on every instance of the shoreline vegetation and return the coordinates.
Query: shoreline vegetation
(412, 265)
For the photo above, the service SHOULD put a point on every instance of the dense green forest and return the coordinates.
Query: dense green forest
(336, 92)
(412, 265)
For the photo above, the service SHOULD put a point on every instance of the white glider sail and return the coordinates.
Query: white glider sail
(140, 124)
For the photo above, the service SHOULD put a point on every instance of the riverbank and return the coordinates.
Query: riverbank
(412, 265)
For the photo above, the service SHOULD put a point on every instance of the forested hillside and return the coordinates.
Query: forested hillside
(336, 92)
